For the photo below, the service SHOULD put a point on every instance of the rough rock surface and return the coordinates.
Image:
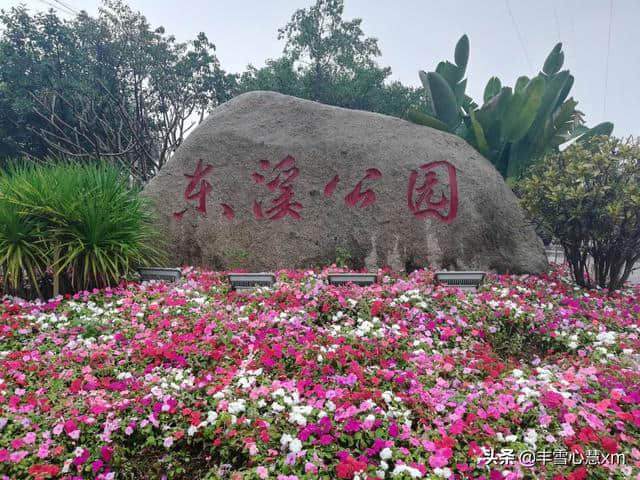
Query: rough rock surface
(271, 181)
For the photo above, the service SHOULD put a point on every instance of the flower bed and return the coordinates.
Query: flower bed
(398, 380)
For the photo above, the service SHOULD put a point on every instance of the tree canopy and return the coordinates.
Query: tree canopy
(111, 86)
(104, 86)
(330, 60)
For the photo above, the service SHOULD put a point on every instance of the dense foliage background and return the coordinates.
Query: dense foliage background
(113, 87)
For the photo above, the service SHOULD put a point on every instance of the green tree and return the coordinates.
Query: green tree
(329, 46)
(102, 87)
(588, 197)
(330, 60)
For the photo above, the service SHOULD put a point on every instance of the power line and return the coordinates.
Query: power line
(65, 5)
(56, 7)
(522, 44)
(606, 68)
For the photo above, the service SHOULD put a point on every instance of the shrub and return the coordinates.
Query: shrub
(588, 197)
(22, 252)
(81, 222)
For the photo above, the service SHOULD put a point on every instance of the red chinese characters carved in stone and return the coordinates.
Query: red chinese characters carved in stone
(331, 186)
(283, 205)
(197, 188)
(432, 198)
(356, 195)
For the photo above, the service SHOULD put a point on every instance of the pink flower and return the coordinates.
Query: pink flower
(16, 457)
(96, 466)
(168, 442)
(440, 458)
(105, 453)
(262, 472)
(4, 454)
(457, 427)
(82, 457)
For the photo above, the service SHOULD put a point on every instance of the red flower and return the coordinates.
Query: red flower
(44, 470)
(348, 467)
(610, 444)
(579, 474)
(587, 434)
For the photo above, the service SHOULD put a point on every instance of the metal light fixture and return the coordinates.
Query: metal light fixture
(248, 281)
(461, 280)
(159, 273)
(360, 279)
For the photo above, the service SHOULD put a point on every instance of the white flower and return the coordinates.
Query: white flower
(531, 437)
(442, 472)
(302, 409)
(237, 406)
(212, 416)
(295, 445)
(516, 373)
(385, 453)
(298, 418)
(192, 430)
(285, 439)
(400, 469)
(608, 338)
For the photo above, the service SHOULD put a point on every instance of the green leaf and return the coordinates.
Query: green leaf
(492, 89)
(450, 72)
(604, 128)
(554, 61)
(461, 55)
(478, 133)
(562, 123)
(459, 92)
(523, 109)
(420, 118)
(444, 100)
(428, 98)
(564, 91)
(521, 83)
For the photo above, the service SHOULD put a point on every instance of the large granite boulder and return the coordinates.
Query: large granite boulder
(271, 181)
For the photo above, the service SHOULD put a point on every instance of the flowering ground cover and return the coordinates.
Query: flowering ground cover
(402, 379)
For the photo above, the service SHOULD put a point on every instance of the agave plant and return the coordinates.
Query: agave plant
(514, 126)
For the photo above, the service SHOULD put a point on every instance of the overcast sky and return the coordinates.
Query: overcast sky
(508, 38)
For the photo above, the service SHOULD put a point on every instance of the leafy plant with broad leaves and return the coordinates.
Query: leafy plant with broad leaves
(514, 126)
